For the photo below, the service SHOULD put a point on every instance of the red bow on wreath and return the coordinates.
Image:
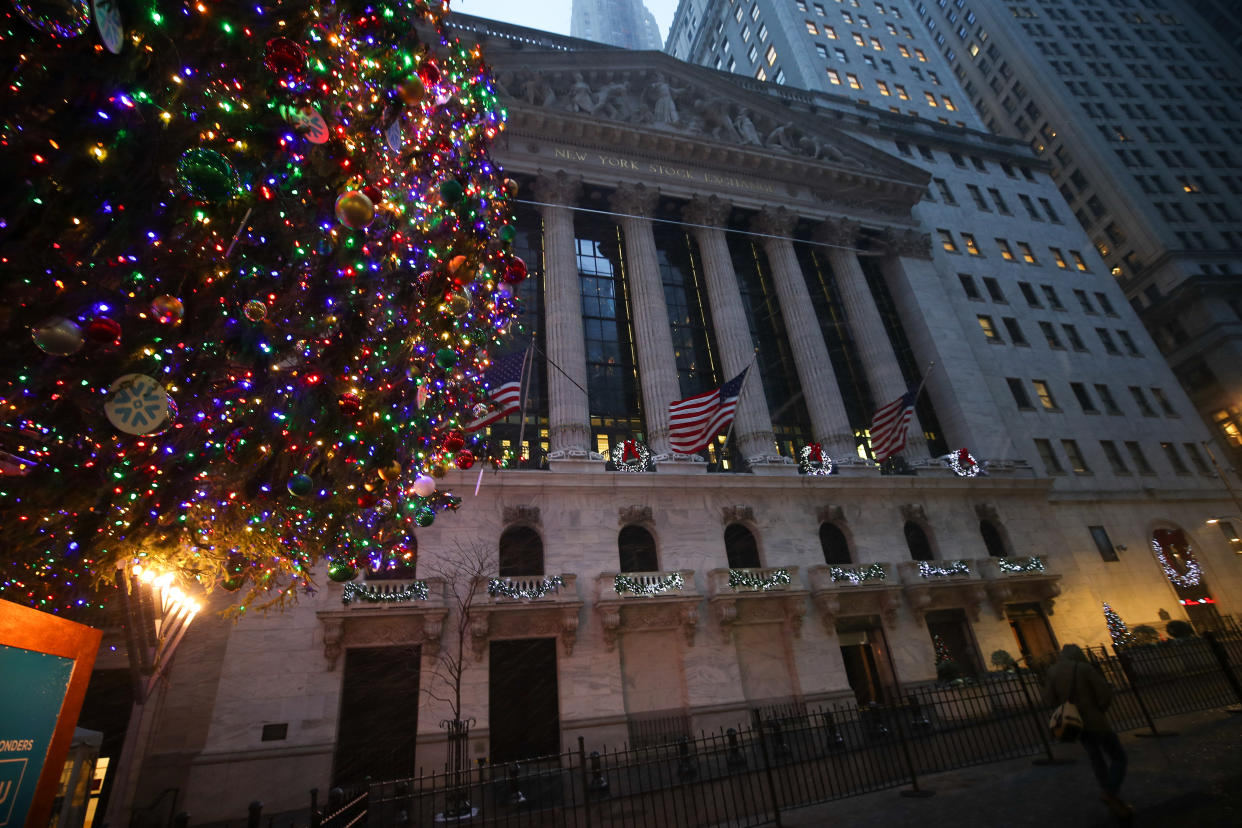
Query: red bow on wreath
(964, 458)
(816, 453)
(629, 451)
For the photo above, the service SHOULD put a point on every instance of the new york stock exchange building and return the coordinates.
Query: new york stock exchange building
(683, 226)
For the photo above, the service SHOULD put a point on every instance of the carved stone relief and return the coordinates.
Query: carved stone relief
(737, 514)
(528, 515)
(634, 514)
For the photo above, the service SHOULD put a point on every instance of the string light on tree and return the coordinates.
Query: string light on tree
(263, 265)
(1117, 628)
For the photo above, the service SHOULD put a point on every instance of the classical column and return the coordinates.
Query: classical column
(569, 432)
(657, 364)
(829, 421)
(874, 347)
(752, 427)
(957, 387)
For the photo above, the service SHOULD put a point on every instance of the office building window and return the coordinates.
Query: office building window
(1015, 331)
(1196, 457)
(1077, 462)
(1141, 400)
(1028, 293)
(1115, 461)
(1050, 335)
(1052, 465)
(1054, 301)
(1075, 341)
(1044, 393)
(1106, 340)
(1018, 389)
(1102, 543)
(1059, 258)
(1028, 255)
(1175, 459)
(946, 241)
(1128, 343)
(971, 247)
(994, 290)
(1138, 458)
(1163, 401)
(1005, 252)
(969, 287)
(989, 329)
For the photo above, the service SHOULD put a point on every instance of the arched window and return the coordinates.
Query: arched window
(992, 539)
(741, 548)
(836, 548)
(916, 539)
(637, 550)
(521, 552)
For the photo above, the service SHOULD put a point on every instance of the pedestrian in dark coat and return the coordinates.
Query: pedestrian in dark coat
(1075, 680)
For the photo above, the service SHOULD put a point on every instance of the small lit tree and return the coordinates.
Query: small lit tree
(1117, 628)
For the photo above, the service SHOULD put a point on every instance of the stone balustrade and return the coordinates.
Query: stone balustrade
(677, 583)
(762, 579)
(511, 589)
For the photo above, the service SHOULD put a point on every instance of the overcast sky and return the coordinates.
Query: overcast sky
(550, 15)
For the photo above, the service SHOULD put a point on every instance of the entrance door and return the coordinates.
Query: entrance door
(1031, 630)
(378, 723)
(865, 655)
(953, 630)
(523, 707)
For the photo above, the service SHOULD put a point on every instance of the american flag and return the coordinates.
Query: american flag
(694, 421)
(890, 424)
(504, 389)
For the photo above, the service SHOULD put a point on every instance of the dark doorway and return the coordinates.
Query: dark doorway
(952, 628)
(378, 723)
(864, 652)
(521, 552)
(1036, 643)
(836, 547)
(523, 707)
(916, 540)
(637, 550)
(740, 547)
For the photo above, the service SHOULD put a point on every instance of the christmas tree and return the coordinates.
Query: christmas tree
(942, 650)
(257, 264)
(1117, 628)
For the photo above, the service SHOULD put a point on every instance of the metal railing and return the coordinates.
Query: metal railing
(789, 754)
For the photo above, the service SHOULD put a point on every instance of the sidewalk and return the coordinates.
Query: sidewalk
(1191, 780)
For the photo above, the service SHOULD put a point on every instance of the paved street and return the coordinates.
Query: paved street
(1193, 779)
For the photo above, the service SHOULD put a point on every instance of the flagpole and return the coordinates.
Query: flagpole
(926, 373)
(754, 359)
(527, 364)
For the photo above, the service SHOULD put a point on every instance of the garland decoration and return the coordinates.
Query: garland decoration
(501, 587)
(814, 461)
(745, 579)
(963, 463)
(948, 569)
(1193, 576)
(673, 582)
(631, 456)
(416, 591)
(855, 575)
(1024, 566)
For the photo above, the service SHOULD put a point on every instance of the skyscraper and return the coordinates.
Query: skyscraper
(1122, 100)
(624, 23)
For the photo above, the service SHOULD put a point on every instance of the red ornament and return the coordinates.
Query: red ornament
(285, 58)
(350, 403)
(374, 193)
(453, 441)
(430, 73)
(104, 330)
(515, 270)
(465, 459)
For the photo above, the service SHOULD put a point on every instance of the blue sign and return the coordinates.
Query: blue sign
(33, 687)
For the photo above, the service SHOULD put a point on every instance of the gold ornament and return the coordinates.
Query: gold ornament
(390, 472)
(354, 210)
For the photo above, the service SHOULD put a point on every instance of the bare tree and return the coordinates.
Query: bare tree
(462, 569)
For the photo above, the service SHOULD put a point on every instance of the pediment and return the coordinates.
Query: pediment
(637, 99)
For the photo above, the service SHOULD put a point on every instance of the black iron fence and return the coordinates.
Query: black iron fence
(789, 755)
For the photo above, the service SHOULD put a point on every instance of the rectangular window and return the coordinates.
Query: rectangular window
(1128, 343)
(945, 99)
(1104, 304)
(1050, 293)
(946, 241)
(853, 80)
(1196, 457)
(977, 195)
(1052, 465)
(971, 247)
(1071, 335)
(811, 28)
(1050, 334)
(1113, 456)
(1045, 395)
(1027, 255)
(1028, 293)
(1106, 399)
(1018, 389)
(1163, 401)
(1138, 458)
(1084, 302)
(1001, 206)
(931, 99)
(994, 290)
(1078, 261)
(945, 192)
(969, 287)
(1084, 398)
(1015, 331)
(883, 87)
(830, 32)
(989, 329)
(1047, 205)
(1141, 400)
(1077, 462)
(1058, 258)
(901, 92)
(1106, 340)
(1102, 543)
(1030, 207)
(771, 55)
(834, 77)
(1005, 252)
(1175, 459)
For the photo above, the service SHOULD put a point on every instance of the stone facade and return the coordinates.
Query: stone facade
(708, 644)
